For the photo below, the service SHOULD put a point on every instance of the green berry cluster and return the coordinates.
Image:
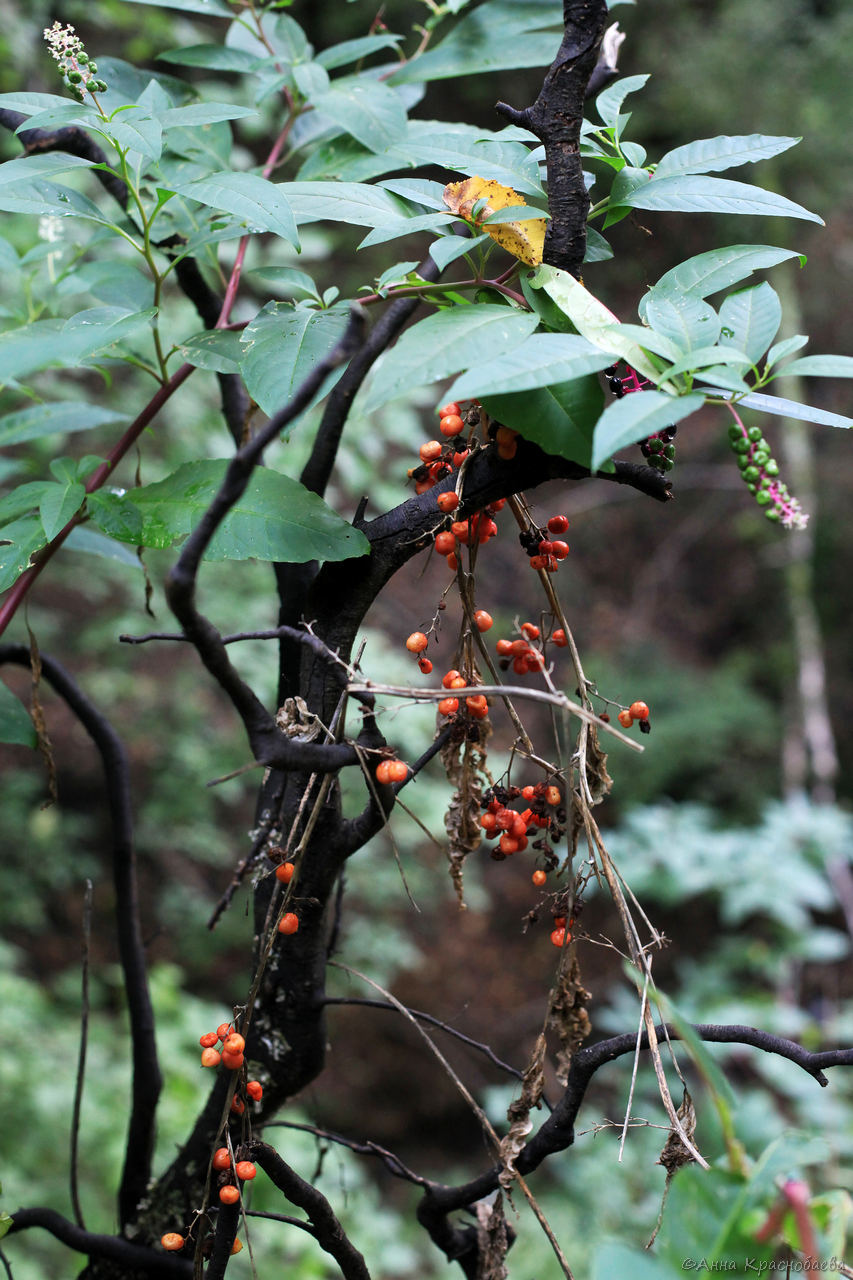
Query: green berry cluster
(77, 68)
(761, 474)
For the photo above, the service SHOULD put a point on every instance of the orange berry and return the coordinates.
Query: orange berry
(417, 642)
(245, 1170)
(210, 1057)
(208, 1040)
(255, 1090)
(229, 1195)
(559, 638)
(448, 706)
(552, 795)
(171, 1241)
(425, 665)
(238, 1106)
(288, 923)
(421, 486)
(639, 710)
(452, 562)
(445, 543)
(284, 873)
(504, 648)
(504, 818)
(459, 457)
(237, 1246)
(625, 719)
(224, 1030)
(447, 502)
(446, 410)
(528, 793)
(559, 550)
(488, 822)
(539, 878)
(222, 1158)
(233, 1061)
(399, 771)
(530, 630)
(458, 682)
(538, 562)
(558, 524)
(233, 1043)
(383, 772)
(483, 620)
(460, 530)
(559, 936)
(430, 450)
(449, 676)
(477, 706)
(508, 844)
(452, 425)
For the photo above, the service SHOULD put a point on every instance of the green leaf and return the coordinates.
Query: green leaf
(705, 357)
(114, 281)
(694, 193)
(637, 416)
(475, 152)
(277, 519)
(709, 272)
(213, 349)
(502, 35)
(750, 319)
(608, 104)
(591, 318)
(282, 345)
(559, 418)
(19, 541)
(353, 202)
(201, 113)
(340, 55)
(721, 376)
(597, 248)
(93, 543)
(421, 191)
(49, 419)
(43, 197)
(45, 165)
(310, 79)
(29, 103)
(285, 280)
(134, 129)
(793, 409)
(215, 8)
(443, 344)
(447, 249)
(821, 367)
(705, 155)
(407, 227)
(58, 504)
(15, 726)
(784, 348)
(215, 57)
(368, 110)
(687, 321)
(21, 499)
(248, 196)
(539, 361)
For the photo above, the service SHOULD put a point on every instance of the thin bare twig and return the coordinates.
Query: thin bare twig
(81, 1059)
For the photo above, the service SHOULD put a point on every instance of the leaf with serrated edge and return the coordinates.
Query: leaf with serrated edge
(637, 416)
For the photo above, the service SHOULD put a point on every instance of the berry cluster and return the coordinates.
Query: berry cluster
(230, 1173)
(388, 771)
(637, 711)
(512, 829)
(624, 385)
(761, 471)
(172, 1241)
(437, 459)
(77, 68)
(476, 706)
(659, 450)
(232, 1056)
(546, 548)
(527, 653)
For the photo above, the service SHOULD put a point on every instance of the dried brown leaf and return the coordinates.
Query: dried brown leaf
(491, 1240)
(465, 770)
(674, 1153)
(518, 1112)
(567, 1016)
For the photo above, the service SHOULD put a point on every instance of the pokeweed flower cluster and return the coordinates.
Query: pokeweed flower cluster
(761, 473)
(78, 69)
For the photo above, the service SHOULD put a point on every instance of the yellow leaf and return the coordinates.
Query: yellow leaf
(523, 240)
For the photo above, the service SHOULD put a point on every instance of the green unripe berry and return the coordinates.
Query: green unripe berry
(735, 432)
(743, 461)
(772, 513)
(656, 446)
(666, 464)
(754, 434)
(753, 488)
(93, 67)
(669, 451)
(656, 461)
(74, 77)
(77, 93)
(760, 457)
(772, 467)
(762, 498)
(82, 58)
(751, 474)
(741, 445)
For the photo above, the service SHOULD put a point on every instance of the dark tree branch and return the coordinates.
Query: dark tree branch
(227, 1223)
(139, 1260)
(329, 1233)
(556, 117)
(557, 1132)
(147, 1080)
(392, 1163)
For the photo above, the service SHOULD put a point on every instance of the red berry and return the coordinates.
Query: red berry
(625, 719)
(233, 1061)
(528, 793)
(530, 630)
(459, 457)
(233, 1043)
(172, 1241)
(446, 410)
(237, 1246)
(488, 822)
(222, 1158)
(417, 642)
(538, 562)
(552, 795)
(451, 425)
(284, 873)
(559, 638)
(425, 665)
(223, 1030)
(504, 648)
(255, 1090)
(448, 706)
(458, 682)
(238, 1106)
(383, 772)
(558, 524)
(229, 1195)
(639, 710)
(460, 530)
(210, 1057)
(559, 550)
(539, 878)
(558, 937)
(430, 450)
(477, 706)
(483, 620)
(208, 1040)
(559, 922)
(605, 717)
(445, 543)
(421, 486)
(508, 844)
(452, 562)
(447, 502)
(288, 923)
(504, 818)
(449, 676)
(245, 1170)
(399, 771)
